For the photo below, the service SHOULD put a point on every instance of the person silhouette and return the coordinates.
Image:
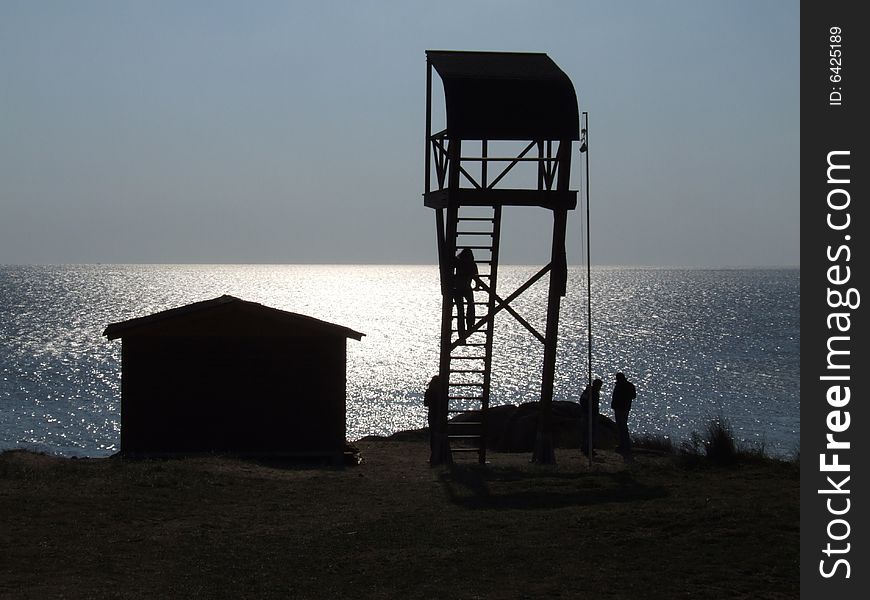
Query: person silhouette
(432, 400)
(587, 417)
(464, 284)
(623, 393)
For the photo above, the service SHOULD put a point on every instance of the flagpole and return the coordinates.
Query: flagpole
(590, 416)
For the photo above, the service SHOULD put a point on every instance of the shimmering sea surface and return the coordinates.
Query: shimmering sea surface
(697, 343)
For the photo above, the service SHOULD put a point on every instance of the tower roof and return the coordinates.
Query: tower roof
(506, 96)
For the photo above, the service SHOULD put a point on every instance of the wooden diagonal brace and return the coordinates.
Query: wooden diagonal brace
(505, 304)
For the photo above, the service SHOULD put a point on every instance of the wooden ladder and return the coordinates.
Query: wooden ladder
(470, 356)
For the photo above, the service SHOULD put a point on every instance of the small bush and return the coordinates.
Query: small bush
(719, 445)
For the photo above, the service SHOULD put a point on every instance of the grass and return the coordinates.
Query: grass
(393, 527)
(653, 442)
(718, 446)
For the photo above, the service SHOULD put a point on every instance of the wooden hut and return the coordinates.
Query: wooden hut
(231, 376)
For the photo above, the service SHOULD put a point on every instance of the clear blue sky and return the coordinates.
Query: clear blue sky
(292, 132)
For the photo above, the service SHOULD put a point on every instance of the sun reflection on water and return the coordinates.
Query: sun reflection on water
(696, 343)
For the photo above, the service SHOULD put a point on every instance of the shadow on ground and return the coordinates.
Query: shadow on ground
(482, 487)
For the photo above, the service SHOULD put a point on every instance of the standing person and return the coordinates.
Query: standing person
(589, 418)
(623, 393)
(436, 402)
(432, 401)
(464, 283)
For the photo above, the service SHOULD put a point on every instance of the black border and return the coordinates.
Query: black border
(826, 128)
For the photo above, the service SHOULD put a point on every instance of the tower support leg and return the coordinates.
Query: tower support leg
(544, 452)
(446, 249)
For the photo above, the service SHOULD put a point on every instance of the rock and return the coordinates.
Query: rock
(512, 428)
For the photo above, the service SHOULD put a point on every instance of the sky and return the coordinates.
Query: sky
(293, 132)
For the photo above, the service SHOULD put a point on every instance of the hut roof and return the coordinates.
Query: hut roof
(506, 96)
(209, 316)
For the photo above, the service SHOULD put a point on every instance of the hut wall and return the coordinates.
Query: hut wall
(267, 395)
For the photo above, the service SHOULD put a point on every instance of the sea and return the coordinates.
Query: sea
(699, 344)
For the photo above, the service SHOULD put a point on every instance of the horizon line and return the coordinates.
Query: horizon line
(402, 264)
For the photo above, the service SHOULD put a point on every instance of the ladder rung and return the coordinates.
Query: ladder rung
(506, 159)
(468, 370)
(483, 262)
(473, 345)
(468, 357)
(489, 233)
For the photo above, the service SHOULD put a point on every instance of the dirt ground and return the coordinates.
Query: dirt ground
(393, 527)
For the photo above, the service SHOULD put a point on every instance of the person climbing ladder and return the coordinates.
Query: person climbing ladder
(464, 284)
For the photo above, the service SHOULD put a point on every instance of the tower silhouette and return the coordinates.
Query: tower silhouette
(510, 119)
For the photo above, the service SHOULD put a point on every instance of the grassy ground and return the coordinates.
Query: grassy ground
(393, 527)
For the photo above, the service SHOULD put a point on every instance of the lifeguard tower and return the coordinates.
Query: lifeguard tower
(510, 119)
